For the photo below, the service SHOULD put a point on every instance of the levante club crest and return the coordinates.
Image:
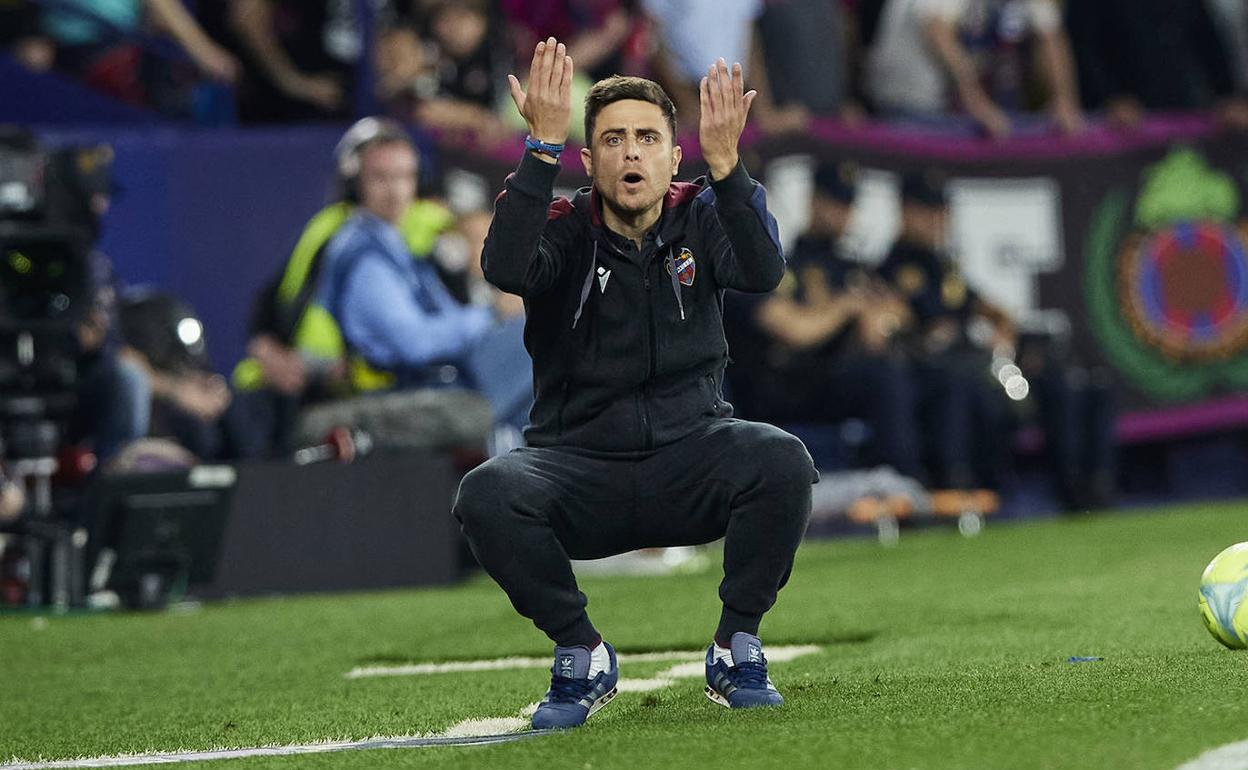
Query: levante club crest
(1167, 284)
(684, 265)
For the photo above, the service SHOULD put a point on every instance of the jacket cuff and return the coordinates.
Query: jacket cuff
(535, 177)
(734, 189)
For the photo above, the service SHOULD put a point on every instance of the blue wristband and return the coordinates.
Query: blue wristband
(545, 148)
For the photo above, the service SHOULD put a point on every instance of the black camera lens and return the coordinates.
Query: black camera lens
(42, 280)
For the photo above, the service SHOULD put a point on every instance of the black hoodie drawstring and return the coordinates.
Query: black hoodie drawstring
(587, 286)
(671, 269)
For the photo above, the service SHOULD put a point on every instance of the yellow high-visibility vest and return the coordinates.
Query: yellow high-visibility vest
(317, 334)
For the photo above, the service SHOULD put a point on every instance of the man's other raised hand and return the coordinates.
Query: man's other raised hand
(725, 104)
(547, 104)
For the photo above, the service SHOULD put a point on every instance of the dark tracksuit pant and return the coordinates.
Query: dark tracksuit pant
(528, 512)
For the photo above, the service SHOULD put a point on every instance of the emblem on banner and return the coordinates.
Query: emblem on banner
(1169, 298)
(1184, 290)
(684, 265)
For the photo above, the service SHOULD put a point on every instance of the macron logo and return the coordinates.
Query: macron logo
(604, 275)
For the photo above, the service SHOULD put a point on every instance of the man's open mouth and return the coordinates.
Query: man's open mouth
(633, 177)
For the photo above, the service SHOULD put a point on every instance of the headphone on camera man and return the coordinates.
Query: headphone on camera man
(349, 152)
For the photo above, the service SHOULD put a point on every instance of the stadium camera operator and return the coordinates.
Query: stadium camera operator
(57, 302)
(60, 375)
(362, 310)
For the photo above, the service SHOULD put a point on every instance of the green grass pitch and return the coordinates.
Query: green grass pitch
(943, 652)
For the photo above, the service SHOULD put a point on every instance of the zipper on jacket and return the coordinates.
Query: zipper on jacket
(643, 416)
(652, 364)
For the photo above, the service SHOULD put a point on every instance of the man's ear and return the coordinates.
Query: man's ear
(677, 154)
(587, 160)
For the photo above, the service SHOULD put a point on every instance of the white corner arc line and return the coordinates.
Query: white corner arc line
(1232, 756)
(166, 758)
(778, 654)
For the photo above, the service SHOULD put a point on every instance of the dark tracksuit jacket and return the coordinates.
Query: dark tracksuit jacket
(630, 444)
(628, 353)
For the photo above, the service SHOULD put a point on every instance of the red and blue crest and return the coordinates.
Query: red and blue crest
(685, 267)
(1185, 290)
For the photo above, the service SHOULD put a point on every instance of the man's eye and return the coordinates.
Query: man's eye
(613, 140)
(649, 138)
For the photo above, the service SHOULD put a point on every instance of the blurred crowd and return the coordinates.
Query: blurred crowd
(992, 67)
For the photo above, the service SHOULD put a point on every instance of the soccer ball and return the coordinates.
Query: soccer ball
(1223, 590)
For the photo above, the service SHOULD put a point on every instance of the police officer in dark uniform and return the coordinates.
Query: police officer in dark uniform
(963, 410)
(822, 346)
(967, 413)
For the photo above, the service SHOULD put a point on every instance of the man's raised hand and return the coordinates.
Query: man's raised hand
(725, 105)
(547, 105)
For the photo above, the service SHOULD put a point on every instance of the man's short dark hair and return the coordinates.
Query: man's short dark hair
(620, 87)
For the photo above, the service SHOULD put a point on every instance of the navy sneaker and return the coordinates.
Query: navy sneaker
(573, 695)
(744, 684)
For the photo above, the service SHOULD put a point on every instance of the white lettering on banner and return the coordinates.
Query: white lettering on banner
(789, 182)
(876, 217)
(1004, 232)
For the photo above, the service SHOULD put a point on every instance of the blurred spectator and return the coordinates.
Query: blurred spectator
(470, 66)
(691, 35)
(451, 83)
(922, 47)
(604, 37)
(1139, 55)
(141, 364)
(297, 355)
(395, 313)
(607, 37)
(405, 72)
(469, 238)
(100, 43)
(300, 56)
(806, 46)
(694, 33)
(964, 339)
(113, 395)
(21, 37)
(962, 407)
(164, 338)
(1231, 19)
(820, 347)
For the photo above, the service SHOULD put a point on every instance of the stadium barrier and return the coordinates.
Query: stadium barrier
(377, 523)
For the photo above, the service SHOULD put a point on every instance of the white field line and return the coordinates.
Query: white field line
(322, 747)
(1232, 756)
(467, 732)
(470, 728)
(777, 654)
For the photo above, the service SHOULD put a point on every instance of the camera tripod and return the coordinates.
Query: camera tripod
(53, 547)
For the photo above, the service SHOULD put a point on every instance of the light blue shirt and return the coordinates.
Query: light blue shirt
(392, 309)
(697, 32)
(75, 29)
